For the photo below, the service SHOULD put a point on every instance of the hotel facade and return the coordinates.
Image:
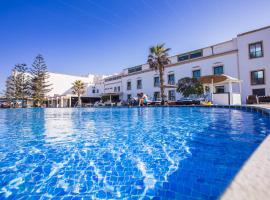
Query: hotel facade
(245, 57)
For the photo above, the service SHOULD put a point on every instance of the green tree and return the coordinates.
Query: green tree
(157, 59)
(39, 80)
(189, 86)
(22, 82)
(78, 89)
(10, 88)
(17, 84)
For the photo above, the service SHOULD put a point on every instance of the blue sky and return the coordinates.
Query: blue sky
(105, 36)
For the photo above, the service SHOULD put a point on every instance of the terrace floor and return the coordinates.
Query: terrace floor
(265, 106)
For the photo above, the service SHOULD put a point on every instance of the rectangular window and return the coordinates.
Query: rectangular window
(259, 92)
(135, 69)
(196, 54)
(256, 50)
(112, 78)
(171, 95)
(115, 89)
(118, 88)
(183, 57)
(218, 70)
(156, 81)
(171, 80)
(139, 84)
(128, 85)
(196, 73)
(220, 89)
(93, 91)
(257, 77)
(156, 96)
(191, 55)
(128, 96)
(97, 90)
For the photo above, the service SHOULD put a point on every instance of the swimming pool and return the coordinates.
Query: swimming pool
(124, 153)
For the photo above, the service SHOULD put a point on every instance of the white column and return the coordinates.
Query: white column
(230, 93)
(240, 91)
(212, 91)
(61, 102)
(230, 87)
(240, 88)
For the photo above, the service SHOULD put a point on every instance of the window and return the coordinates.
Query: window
(128, 96)
(191, 55)
(128, 85)
(259, 92)
(115, 89)
(220, 89)
(118, 88)
(257, 77)
(183, 57)
(171, 80)
(196, 54)
(135, 69)
(218, 70)
(171, 95)
(156, 81)
(112, 78)
(139, 84)
(97, 90)
(156, 96)
(93, 91)
(196, 73)
(255, 50)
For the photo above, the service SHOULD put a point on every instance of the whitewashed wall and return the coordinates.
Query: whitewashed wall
(62, 83)
(229, 61)
(232, 54)
(247, 65)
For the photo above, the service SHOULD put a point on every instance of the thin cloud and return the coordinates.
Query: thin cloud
(104, 9)
(86, 13)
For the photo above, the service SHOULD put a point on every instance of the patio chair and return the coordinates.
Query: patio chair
(252, 99)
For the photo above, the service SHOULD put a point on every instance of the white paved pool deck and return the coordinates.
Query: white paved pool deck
(253, 180)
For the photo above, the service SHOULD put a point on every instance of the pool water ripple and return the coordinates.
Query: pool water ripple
(121, 153)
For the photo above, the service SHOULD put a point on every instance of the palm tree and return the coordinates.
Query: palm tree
(157, 59)
(79, 89)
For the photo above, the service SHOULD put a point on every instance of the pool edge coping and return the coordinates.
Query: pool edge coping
(253, 179)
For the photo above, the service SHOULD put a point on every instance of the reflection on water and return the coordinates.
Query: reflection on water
(121, 153)
(58, 126)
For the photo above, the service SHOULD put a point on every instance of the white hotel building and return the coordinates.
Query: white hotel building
(245, 57)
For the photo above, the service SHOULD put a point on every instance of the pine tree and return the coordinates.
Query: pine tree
(22, 82)
(39, 81)
(10, 88)
(17, 84)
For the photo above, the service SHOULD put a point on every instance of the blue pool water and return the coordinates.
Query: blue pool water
(124, 153)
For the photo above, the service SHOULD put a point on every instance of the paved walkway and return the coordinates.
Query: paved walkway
(253, 180)
(265, 106)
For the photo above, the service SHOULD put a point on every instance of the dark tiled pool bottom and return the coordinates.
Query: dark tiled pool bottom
(121, 153)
